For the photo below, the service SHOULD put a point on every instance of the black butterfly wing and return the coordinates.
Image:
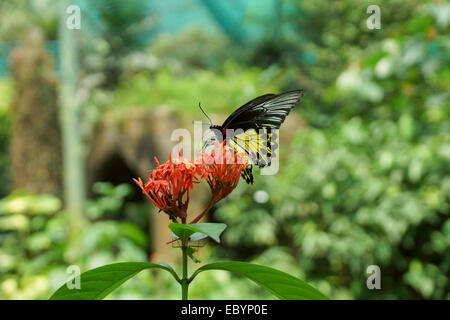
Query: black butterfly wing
(267, 111)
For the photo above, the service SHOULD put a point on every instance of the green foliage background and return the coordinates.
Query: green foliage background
(365, 180)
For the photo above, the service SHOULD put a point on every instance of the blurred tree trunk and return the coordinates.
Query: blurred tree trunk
(73, 149)
(35, 143)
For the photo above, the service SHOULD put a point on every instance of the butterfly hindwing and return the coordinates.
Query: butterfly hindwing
(247, 174)
(258, 144)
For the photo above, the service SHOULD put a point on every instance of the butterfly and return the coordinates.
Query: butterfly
(249, 128)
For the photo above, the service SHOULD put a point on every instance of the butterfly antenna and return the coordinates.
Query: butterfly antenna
(199, 105)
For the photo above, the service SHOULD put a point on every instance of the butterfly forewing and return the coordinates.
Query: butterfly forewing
(266, 111)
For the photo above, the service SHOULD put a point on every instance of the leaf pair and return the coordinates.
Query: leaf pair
(98, 283)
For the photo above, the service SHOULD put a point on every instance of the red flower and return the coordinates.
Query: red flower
(222, 170)
(170, 184)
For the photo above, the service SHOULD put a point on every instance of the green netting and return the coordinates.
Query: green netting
(240, 20)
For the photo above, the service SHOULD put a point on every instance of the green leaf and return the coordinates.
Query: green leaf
(195, 237)
(97, 283)
(184, 231)
(280, 284)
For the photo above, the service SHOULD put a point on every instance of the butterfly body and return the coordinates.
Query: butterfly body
(250, 128)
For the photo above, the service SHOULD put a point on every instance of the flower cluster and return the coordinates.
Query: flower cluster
(224, 168)
(170, 184)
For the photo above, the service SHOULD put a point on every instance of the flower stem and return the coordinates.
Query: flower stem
(184, 280)
(208, 207)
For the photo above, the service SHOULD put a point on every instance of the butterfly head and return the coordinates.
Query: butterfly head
(219, 131)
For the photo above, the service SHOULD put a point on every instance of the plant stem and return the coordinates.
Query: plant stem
(208, 207)
(184, 280)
